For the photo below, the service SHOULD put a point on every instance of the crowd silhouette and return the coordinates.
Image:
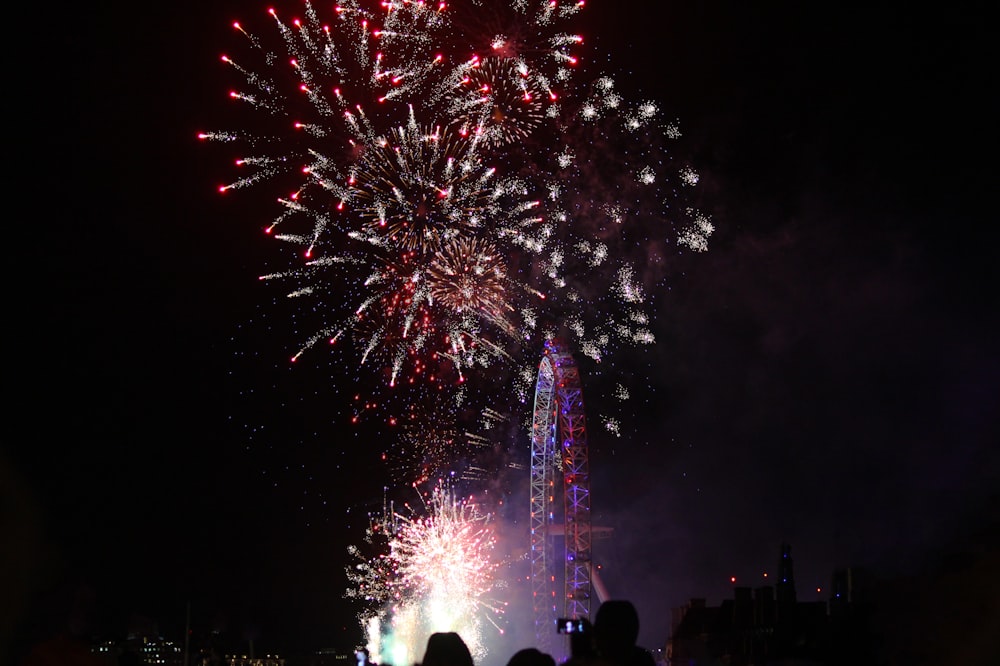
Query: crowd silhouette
(610, 641)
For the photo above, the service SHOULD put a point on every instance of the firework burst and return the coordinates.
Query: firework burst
(538, 36)
(418, 214)
(429, 249)
(419, 187)
(436, 572)
(470, 276)
(500, 101)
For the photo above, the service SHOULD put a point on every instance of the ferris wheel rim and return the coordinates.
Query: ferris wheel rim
(559, 415)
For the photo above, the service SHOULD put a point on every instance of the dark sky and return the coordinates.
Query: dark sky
(827, 374)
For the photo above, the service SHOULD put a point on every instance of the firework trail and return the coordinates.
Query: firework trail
(431, 445)
(435, 572)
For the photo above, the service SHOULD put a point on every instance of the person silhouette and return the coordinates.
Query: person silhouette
(446, 648)
(616, 630)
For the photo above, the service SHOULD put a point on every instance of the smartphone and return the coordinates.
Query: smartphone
(570, 626)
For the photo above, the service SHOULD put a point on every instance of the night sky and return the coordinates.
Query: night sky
(826, 375)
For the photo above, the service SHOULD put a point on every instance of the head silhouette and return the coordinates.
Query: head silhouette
(531, 657)
(616, 628)
(446, 649)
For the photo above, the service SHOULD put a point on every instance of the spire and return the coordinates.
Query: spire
(786, 578)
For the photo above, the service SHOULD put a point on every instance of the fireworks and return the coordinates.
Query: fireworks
(469, 275)
(430, 445)
(438, 233)
(416, 189)
(500, 100)
(436, 573)
(457, 188)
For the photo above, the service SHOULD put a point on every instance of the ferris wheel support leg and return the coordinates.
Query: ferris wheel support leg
(599, 588)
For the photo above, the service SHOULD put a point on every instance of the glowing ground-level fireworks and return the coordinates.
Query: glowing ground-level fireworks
(435, 572)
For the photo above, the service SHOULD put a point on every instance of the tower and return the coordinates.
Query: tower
(785, 588)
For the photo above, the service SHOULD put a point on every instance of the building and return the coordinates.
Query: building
(767, 625)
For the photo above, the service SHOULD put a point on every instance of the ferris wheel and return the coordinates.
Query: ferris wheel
(559, 463)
